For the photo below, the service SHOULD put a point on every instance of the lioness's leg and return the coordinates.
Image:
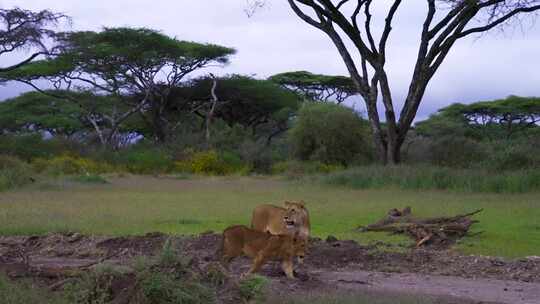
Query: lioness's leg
(257, 263)
(287, 267)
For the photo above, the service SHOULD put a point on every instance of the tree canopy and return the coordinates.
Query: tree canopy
(243, 100)
(494, 119)
(26, 30)
(317, 87)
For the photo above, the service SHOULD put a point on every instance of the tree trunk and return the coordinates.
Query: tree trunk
(394, 152)
(210, 114)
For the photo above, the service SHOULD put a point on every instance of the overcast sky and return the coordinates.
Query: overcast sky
(274, 40)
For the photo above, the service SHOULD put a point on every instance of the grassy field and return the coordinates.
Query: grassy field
(138, 204)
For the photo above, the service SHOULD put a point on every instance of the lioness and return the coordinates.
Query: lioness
(261, 246)
(277, 220)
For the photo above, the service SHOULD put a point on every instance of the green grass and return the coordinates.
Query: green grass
(137, 205)
(89, 179)
(435, 178)
(26, 293)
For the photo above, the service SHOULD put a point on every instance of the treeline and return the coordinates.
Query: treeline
(126, 99)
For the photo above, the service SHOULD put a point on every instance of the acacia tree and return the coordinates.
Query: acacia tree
(236, 99)
(446, 22)
(317, 87)
(23, 29)
(488, 119)
(138, 66)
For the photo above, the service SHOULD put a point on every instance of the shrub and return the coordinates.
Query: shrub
(26, 293)
(68, 164)
(298, 168)
(328, 133)
(456, 151)
(211, 163)
(429, 177)
(94, 286)
(31, 146)
(13, 172)
(512, 156)
(257, 155)
(160, 288)
(252, 288)
(141, 159)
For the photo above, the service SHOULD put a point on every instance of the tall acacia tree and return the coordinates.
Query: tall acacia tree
(26, 30)
(136, 65)
(317, 87)
(445, 23)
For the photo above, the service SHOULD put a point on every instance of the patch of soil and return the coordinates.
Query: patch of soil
(329, 265)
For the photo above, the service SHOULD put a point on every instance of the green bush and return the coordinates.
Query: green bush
(456, 151)
(294, 169)
(253, 288)
(258, 156)
(13, 172)
(512, 155)
(26, 293)
(31, 146)
(162, 288)
(141, 159)
(436, 178)
(68, 164)
(329, 133)
(211, 163)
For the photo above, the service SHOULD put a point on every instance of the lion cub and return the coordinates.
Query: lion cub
(261, 247)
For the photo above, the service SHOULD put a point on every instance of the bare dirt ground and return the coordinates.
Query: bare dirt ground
(331, 266)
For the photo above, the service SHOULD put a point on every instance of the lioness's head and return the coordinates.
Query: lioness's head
(295, 214)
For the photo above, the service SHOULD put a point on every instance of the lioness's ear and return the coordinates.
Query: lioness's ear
(287, 203)
(302, 203)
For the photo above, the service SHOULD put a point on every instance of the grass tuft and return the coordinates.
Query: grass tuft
(252, 288)
(90, 179)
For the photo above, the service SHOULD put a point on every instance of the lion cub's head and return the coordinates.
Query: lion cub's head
(295, 214)
(300, 246)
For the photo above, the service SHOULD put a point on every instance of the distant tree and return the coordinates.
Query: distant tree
(502, 118)
(22, 30)
(350, 26)
(237, 99)
(136, 65)
(317, 87)
(54, 112)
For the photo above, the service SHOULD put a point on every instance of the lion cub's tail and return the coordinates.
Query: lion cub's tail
(219, 251)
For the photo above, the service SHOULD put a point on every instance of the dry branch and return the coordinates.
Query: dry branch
(425, 231)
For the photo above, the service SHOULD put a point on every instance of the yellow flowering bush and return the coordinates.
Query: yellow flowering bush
(68, 164)
(209, 163)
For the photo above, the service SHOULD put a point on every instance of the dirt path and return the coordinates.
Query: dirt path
(331, 267)
(477, 290)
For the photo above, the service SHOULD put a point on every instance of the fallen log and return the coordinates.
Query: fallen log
(425, 231)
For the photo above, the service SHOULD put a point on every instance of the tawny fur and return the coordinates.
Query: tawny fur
(272, 219)
(261, 247)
